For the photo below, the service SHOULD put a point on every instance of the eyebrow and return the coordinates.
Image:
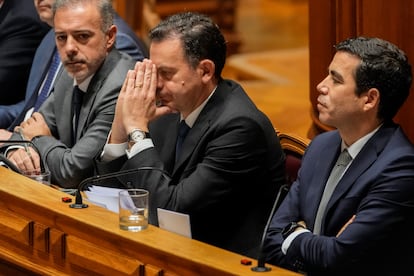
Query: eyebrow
(336, 75)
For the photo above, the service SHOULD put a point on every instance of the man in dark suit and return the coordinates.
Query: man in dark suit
(67, 142)
(359, 224)
(126, 41)
(230, 166)
(20, 34)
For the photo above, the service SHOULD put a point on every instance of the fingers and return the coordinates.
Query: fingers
(24, 161)
(145, 75)
(130, 81)
(36, 116)
(124, 85)
(346, 225)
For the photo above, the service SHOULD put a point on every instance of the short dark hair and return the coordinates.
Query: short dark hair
(384, 67)
(200, 36)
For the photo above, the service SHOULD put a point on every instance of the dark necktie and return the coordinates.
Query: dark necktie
(336, 174)
(44, 92)
(182, 133)
(76, 107)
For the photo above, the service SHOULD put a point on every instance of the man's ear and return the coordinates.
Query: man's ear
(111, 37)
(207, 69)
(372, 98)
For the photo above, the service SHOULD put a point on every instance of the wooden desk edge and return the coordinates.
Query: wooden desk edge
(42, 204)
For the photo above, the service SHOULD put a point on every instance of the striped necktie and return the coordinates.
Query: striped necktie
(47, 85)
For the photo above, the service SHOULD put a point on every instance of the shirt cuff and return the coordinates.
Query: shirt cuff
(113, 151)
(139, 146)
(290, 238)
(12, 147)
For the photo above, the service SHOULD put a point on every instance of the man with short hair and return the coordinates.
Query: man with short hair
(69, 131)
(351, 209)
(175, 113)
(42, 76)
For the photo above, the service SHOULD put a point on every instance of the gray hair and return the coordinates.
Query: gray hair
(105, 9)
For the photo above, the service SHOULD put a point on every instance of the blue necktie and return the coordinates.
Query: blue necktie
(182, 133)
(44, 93)
(76, 107)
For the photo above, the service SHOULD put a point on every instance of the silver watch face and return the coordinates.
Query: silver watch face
(137, 135)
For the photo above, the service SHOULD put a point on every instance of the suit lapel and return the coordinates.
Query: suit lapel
(93, 89)
(62, 105)
(202, 124)
(368, 155)
(327, 159)
(192, 139)
(41, 62)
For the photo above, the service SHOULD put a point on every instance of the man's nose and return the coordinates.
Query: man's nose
(71, 46)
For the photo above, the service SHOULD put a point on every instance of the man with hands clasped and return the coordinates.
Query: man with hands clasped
(73, 123)
(227, 164)
(351, 210)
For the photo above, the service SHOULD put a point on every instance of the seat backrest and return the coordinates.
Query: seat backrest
(294, 147)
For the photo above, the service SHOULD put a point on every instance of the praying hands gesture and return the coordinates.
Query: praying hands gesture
(137, 103)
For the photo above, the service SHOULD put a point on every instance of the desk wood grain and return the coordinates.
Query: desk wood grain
(40, 234)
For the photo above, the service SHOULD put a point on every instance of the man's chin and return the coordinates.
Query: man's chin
(78, 76)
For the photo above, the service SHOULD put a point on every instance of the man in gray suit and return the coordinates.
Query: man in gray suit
(85, 38)
(41, 70)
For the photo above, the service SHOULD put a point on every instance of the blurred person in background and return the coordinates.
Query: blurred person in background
(21, 31)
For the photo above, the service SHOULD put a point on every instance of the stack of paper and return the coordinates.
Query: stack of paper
(104, 196)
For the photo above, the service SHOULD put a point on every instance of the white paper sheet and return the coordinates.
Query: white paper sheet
(174, 222)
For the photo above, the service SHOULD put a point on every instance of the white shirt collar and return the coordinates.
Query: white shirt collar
(192, 117)
(356, 147)
(84, 85)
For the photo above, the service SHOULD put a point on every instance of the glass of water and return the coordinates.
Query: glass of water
(133, 209)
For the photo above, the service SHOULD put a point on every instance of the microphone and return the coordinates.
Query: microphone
(283, 190)
(8, 164)
(121, 177)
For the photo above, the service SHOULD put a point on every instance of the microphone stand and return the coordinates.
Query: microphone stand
(261, 259)
(97, 178)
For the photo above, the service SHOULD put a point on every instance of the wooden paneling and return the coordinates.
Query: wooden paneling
(41, 235)
(142, 15)
(333, 21)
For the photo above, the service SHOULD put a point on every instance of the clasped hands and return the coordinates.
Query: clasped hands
(27, 159)
(138, 102)
(303, 224)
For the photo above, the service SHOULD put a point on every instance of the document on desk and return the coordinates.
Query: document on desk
(169, 220)
(174, 222)
(104, 196)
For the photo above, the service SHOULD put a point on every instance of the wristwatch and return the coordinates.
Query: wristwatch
(136, 135)
(290, 228)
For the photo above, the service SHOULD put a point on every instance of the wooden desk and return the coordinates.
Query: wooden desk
(39, 234)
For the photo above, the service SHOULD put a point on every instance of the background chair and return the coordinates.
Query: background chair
(294, 147)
